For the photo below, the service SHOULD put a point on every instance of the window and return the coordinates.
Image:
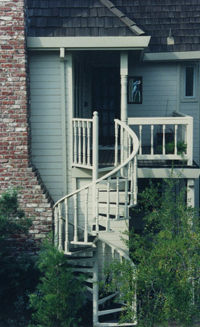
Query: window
(189, 82)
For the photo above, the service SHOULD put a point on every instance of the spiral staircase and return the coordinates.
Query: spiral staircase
(88, 222)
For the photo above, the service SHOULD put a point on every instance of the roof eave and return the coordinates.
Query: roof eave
(89, 43)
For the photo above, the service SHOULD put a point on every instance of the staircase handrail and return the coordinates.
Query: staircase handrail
(114, 171)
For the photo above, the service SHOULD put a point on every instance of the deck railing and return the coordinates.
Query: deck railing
(164, 138)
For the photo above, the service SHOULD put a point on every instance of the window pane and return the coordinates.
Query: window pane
(189, 82)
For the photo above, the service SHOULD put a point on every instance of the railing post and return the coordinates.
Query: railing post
(190, 140)
(95, 162)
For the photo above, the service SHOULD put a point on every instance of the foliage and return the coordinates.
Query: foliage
(59, 296)
(167, 258)
(169, 147)
(17, 275)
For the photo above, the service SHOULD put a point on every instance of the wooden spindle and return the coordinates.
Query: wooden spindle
(88, 143)
(108, 205)
(75, 142)
(56, 227)
(175, 139)
(84, 143)
(164, 128)
(116, 143)
(60, 247)
(140, 139)
(135, 180)
(75, 218)
(66, 226)
(97, 208)
(152, 130)
(86, 217)
(117, 196)
(79, 141)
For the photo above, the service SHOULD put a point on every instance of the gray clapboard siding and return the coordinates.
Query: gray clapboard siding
(46, 118)
(159, 89)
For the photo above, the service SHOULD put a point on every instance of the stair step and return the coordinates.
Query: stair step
(103, 184)
(85, 249)
(114, 324)
(83, 269)
(81, 243)
(113, 195)
(113, 209)
(107, 298)
(110, 311)
(78, 260)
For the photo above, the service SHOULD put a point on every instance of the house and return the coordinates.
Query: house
(97, 97)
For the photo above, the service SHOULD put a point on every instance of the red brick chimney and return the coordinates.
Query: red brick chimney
(15, 165)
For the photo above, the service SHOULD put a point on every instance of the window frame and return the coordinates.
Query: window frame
(184, 97)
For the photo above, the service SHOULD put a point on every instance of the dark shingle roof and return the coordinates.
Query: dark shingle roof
(157, 18)
(74, 18)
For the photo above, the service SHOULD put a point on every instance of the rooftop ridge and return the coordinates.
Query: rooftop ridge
(127, 21)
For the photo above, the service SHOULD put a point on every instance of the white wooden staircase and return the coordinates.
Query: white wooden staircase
(88, 222)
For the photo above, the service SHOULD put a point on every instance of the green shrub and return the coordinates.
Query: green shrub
(169, 148)
(166, 254)
(17, 273)
(59, 296)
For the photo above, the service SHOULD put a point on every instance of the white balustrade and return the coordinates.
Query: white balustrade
(164, 137)
(82, 142)
(117, 187)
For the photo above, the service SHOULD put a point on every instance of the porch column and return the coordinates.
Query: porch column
(190, 193)
(124, 81)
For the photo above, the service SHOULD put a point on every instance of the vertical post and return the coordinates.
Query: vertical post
(60, 246)
(75, 218)
(108, 205)
(175, 139)
(124, 81)
(190, 193)
(56, 223)
(95, 289)
(190, 140)
(140, 139)
(152, 129)
(66, 226)
(95, 163)
(116, 143)
(95, 145)
(164, 127)
(86, 217)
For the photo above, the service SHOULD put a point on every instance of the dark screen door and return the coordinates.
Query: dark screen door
(106, 100)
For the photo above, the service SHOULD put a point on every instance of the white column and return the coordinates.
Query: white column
(190, 193)
(95, 165)
(124, 82)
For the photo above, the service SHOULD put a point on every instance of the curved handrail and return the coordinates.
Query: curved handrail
(114, 171)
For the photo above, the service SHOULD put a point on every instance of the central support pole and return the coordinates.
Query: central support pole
(124, 83)
(95, 163)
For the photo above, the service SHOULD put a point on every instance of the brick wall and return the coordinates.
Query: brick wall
(15, 166)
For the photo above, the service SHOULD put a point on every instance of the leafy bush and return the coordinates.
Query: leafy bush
(166, 254)
(59, 296)
(17, 274)
(169, 147)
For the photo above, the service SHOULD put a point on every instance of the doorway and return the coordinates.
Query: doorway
(106, 101)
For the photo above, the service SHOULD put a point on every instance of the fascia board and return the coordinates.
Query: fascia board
(167, 173)
(78, 43)
(172, 56)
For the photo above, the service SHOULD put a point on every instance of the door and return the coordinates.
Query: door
(106, 100)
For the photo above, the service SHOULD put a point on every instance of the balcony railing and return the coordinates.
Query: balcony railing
(164, 138)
